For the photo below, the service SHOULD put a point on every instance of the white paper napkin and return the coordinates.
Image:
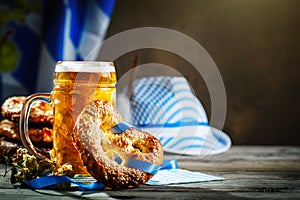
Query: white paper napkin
(179, 176)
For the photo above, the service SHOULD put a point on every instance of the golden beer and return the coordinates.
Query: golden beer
(76, 83)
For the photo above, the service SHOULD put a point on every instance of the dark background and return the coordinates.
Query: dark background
(254, 43)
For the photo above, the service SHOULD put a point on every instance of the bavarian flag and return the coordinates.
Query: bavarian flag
(36, 34)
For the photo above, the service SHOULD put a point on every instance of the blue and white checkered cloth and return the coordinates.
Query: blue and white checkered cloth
(62, 30)
(165, 100)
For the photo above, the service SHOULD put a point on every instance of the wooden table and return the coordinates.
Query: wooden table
(251, 172)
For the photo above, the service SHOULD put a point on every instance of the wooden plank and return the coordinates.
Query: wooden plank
(245, 158)
(249, 172)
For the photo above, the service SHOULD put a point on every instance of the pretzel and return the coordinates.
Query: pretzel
(38, 135)
(40, 112)
(99, 147)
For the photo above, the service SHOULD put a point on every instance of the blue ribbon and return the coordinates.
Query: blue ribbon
(149, 167)
(175, 125)
(121, 127)
(46, 181)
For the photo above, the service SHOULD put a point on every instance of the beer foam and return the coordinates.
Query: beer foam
(84, 66)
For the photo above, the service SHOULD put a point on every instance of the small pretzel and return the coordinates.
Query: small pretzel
(38, 135)
(41, 112)
(100, 148)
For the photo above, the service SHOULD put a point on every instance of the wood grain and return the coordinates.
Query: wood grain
(250, 172)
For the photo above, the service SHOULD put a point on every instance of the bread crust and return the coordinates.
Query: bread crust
(99, 147)
(40, 113)
(41, 135)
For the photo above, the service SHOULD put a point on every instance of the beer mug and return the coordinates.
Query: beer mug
(76, 83)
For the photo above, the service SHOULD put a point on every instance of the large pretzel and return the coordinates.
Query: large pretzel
(101, 150)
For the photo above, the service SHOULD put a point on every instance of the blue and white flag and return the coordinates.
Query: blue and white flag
(49, 32)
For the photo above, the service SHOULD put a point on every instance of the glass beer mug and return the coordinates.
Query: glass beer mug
(76, 83)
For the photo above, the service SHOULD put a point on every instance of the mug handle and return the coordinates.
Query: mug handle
(23, 124)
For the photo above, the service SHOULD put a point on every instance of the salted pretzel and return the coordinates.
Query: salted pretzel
(40, 113)
(38, 135)
(100, 148)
